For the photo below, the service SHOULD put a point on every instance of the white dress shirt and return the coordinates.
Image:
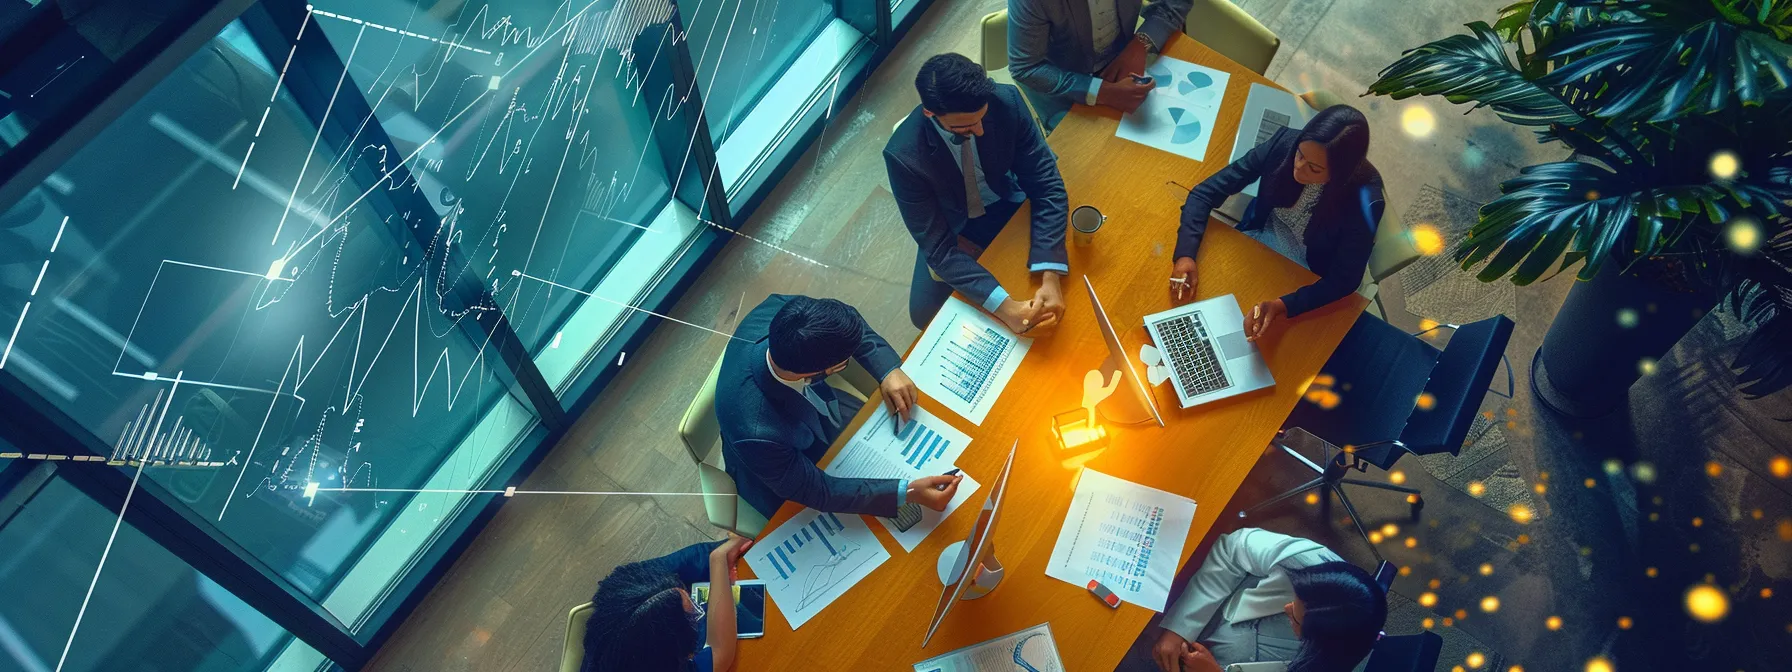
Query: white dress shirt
(1239, 592)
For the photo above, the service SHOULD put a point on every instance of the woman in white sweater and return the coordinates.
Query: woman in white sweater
(1267, 602)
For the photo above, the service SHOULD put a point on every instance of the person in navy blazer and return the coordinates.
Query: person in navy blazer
(962, 112)
(778, 415)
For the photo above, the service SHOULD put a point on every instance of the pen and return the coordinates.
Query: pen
(1181, 284)
(898, 423)
(953, 472)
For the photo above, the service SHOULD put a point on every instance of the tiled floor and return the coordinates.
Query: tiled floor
(1609, 553)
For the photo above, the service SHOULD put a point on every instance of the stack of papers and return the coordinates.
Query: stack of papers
(926, 446)
(1178, 115)
(964, 359)
(1125, 535)
(812, 559)
(1030, 650)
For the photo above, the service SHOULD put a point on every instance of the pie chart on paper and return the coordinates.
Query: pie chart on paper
(1179, 115)
(1188, 127)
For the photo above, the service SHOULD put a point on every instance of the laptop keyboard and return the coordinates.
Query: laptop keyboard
(1184, 341)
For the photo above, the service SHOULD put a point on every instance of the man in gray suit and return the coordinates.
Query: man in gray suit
(1063, 52)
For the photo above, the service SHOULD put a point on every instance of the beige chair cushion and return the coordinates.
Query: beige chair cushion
(1320, 99)
(573, 652)
(1393, 249)
(1225, 28)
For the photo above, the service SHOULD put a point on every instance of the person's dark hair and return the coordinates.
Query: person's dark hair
(1345, 613)
(1345, 133)
(638, 622)
(810, 335)
(951, 84)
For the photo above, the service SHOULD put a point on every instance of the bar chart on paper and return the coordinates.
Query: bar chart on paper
(964, 359)
(926, 446)
(812, 559)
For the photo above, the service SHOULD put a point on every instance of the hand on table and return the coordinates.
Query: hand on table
(1018, 315)
(1125, 95)
(925, 491)
(1263, 318)
(1131, 61)
(1168, 651)
(1182, 279)
(900, 394)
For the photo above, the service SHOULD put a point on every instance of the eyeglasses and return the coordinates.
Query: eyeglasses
(696, 613)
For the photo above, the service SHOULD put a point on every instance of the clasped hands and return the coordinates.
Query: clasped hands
(1175, 654)
(1043, 310)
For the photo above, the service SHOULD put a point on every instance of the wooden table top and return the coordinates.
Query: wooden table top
(1203, 453)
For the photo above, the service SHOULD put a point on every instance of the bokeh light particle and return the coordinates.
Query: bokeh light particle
(1781, 467)
(1490, 604)
(1412, 542)
(1643, 472)
(1475, 660)
(1486, 569)
(1600, 664)
(1628, 318)
(1713, 469)
(1426, 239)
(1624, 622)
(1374, 536)
(1428, 623)
(1427, 600)
(1706, 603)
(1725, 165)
(1785, 529)
(1613, 467)
(1553, 623)
(1646, 366)
(1390, 530)
(1477, 488)
(1743, 235)
(1396, 477)
(1312, 498)
(1521, 514)
(1416, 119)
(1651, 572)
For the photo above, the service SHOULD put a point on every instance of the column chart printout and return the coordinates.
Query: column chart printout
(964, 359)
(813, 559)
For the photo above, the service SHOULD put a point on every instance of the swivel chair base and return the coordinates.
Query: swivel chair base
(1330, 480)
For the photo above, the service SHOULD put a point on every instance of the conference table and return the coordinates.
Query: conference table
(1202, 453)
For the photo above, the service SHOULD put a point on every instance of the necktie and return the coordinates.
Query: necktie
(822, 398)
(968, 163)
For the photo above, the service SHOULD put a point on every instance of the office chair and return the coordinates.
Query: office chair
(1225, 28)
(702, 437)
(572, 653)
(1390, 394)
(993, 54)
(1406, 653)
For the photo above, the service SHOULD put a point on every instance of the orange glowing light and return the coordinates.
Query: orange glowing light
(1553, 623)
(1427, 600)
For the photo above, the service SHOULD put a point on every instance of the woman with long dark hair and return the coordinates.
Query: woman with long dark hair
(1267, 602)
(1318, 204)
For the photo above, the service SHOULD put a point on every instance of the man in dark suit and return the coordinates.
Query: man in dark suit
(960, 166)
(778, 415)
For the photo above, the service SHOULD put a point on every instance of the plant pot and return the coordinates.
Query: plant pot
(1607, 330)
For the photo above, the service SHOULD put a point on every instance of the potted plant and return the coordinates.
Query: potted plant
(1674, 197)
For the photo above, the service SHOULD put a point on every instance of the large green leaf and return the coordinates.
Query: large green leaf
(1660, 70)
(1474, 68)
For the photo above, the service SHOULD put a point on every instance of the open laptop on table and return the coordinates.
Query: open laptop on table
(1204, 345)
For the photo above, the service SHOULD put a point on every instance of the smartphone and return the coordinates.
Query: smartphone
(749, 608)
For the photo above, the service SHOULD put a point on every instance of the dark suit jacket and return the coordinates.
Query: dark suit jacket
(929, 188)
(772, 436)
(1338, 238)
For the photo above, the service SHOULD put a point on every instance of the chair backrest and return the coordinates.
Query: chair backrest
(572, 654)
(1225, 28)
(994, 47)
(1319, 99)
(1406, 653)
(699, 429)
(1366, 390)
(1393, 249)
(1458, 383)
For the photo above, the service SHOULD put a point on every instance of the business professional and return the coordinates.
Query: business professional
(778, 415)
(643, 618)
(1063, 52)
(960, 166)
(1268, 602)
(1319, 203)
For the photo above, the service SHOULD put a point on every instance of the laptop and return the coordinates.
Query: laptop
(1204, 345)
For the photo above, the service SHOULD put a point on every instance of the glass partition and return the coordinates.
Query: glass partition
(742, 47)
